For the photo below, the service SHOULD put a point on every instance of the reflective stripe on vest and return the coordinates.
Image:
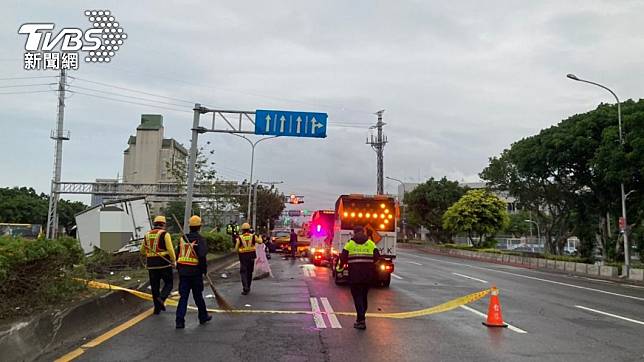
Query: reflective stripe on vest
(187, 253)
(153, 243)
(246, 243)
(360, 253)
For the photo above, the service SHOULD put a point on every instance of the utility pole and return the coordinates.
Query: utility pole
(378, 144)
(59, 135)
(255, 204)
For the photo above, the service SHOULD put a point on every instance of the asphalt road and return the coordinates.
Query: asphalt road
(553, 317)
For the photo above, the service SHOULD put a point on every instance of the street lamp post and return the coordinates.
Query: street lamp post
(538, 232)
(404, 221)
(627, 258)
(255, 198)
(252, 164)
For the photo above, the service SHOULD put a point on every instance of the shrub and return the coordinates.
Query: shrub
(37, 273)
(218, 242)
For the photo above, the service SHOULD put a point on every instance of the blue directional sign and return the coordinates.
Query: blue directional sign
(287, 123)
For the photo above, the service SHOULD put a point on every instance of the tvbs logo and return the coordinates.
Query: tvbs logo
(46, 49)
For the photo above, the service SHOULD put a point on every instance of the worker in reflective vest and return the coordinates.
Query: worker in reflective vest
(233, 230)
(158, 250)
(245, 246)
(360, 253)
(191, 264)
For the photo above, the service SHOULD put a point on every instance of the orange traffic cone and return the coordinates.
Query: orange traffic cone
(494, 317)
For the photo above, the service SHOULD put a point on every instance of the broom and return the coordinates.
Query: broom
(221, 302)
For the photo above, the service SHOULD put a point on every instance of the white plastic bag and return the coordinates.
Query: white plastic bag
(262, 268)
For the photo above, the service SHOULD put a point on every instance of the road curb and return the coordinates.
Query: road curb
(607, 273)
(43, 336)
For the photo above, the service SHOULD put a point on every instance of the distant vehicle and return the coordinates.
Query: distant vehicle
(281, 238)
(377, 214)
(321, 234)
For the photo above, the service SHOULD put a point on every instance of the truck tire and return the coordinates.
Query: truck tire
(385, 283)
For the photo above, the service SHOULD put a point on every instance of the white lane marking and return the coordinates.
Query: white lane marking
(510, 327)
(633, 286)
(309, 270)
(535, 278)
(335, 323)
(396, 276)
(233, 265)
(468, 277)
(413, 262)
(610, 314)
(317, 315)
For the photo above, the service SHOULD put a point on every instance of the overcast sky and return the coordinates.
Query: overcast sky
(459, 80)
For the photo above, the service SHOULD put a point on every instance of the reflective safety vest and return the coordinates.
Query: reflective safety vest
(246, 243)
(230, 229)
(187, 253)
(360, 253)
(154, 243)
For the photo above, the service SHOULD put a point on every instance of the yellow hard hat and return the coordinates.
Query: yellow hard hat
(195, 221)
(159, 219)
(245, 226)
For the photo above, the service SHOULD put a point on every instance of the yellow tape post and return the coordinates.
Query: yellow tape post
(443, 307)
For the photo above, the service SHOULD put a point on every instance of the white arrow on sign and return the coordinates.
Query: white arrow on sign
(299, 124)
(282, 120)
(268, 123)
(315, 125)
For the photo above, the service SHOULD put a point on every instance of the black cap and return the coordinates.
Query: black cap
(358, 230)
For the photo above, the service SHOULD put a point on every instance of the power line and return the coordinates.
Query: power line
(30, 92)
(37, 77)
(134, 90)
(245, 93)
(124, 101)
(128, 96)
(25, 85)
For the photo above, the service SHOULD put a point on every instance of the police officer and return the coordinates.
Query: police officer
(191, 264)
(245, 246)
(360, 253)
(160, 258)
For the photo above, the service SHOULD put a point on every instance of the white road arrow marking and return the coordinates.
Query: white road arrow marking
(283, 121)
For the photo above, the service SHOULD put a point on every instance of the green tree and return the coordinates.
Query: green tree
(270, 204)
(568, 176)
(517, 225)
(427, 203)
(478, 213)
(24, 205)
(67, 211)
(176, 208)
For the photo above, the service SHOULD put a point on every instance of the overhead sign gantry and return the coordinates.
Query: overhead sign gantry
(259, 122)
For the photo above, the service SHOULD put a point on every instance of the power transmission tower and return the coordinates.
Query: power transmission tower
(378, 144)
(59, 135)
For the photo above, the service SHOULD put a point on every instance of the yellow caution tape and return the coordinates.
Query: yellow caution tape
(444, 307)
